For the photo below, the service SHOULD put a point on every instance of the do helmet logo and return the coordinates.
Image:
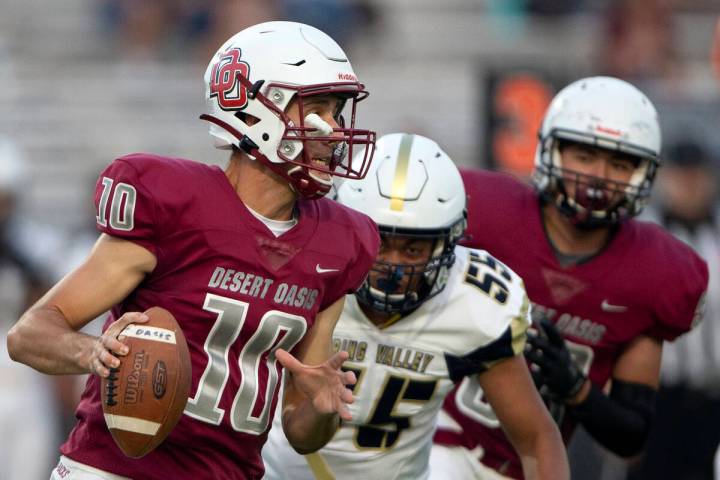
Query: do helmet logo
(231, 94)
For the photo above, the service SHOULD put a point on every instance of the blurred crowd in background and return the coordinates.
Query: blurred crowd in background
(84, 81)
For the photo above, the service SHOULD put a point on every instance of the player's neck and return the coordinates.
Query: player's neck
(260, 188)
(567, 239)
(379, 319)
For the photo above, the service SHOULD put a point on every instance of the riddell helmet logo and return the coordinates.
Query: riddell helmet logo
(609, 131)
(347, 77)
(231, 94)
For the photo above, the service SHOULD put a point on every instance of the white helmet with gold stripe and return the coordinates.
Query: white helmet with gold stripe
(412, 189)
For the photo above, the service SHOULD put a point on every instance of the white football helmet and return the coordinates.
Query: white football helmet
(252, 79)
(413, 189)
(602, 112)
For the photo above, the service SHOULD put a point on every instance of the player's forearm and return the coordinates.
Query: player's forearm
(543, 456)
(43, 340)
(620, 422)
(306, 429)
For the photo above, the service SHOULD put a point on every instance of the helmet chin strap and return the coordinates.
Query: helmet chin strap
(303, 181)
(580, 216)
(386, 286)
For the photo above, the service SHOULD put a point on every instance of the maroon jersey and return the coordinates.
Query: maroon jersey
(644, 282)
(238, 293)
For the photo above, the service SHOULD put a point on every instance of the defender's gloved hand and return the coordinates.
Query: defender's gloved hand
(555, 367)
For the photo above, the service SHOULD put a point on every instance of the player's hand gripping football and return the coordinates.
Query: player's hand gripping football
(108, 347)
(324, 384)
(555, 367)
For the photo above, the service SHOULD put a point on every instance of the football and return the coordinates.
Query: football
(144, 398)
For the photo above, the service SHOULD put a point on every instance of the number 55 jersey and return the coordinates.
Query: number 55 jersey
(644, 282)
(405, 370)
(237, 291)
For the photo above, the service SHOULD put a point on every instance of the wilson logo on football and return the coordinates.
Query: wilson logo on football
(136, 379)
(231, 94)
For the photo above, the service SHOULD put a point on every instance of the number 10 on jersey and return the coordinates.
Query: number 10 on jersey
(276, 329)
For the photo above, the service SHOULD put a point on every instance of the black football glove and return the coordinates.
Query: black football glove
(553, 365)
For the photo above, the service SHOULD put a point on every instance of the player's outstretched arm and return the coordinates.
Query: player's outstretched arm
(46, 337)
(316, 395)
(511, 393)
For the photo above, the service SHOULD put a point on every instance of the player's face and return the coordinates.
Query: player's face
(329, 109)
(400, 263)
(596, 176)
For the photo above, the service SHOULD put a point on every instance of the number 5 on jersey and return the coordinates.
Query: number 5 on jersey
(377, 432)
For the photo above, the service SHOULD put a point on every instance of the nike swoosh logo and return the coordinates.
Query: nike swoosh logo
(319, 269)
(608, 307)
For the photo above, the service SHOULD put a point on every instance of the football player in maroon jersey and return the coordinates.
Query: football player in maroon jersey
(250, 260)
(607, 290)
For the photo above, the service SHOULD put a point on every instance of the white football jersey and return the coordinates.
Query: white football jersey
(406, 369)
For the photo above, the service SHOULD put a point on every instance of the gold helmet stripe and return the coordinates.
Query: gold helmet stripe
(399, 186)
